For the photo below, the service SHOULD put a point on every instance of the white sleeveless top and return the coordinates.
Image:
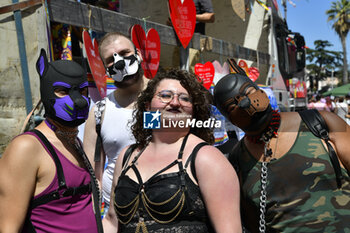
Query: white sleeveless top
(116, 135)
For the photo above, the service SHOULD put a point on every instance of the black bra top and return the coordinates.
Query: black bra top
(163, 198)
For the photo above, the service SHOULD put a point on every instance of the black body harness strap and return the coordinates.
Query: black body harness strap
(319, 128)
(57, 194)
(71, 191)
(191, 158)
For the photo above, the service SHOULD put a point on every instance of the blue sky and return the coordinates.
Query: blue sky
(310, 20)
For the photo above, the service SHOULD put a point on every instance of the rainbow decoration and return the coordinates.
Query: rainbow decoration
(110, 83)
(220, 140)
(102, 210)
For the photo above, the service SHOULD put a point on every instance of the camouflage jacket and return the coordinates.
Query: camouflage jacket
(302, 193)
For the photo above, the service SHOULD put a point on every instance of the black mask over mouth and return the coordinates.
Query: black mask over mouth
(250, 112)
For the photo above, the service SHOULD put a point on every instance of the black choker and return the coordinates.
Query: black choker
(270, 132)
(69, 135)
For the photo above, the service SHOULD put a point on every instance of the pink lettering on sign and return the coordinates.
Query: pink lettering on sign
(95, 63)
(183, 18)
(205, 73)
(150, 49)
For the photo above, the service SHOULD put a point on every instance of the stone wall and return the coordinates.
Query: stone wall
(12, 97)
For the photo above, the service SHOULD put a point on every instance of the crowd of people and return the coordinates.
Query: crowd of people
(340, 105)
(279, 177)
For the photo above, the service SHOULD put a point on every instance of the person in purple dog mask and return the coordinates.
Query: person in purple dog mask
(46, 180)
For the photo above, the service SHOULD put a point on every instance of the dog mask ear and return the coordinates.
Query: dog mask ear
(42, 63)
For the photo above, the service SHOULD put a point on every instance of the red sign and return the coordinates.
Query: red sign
(253, 73)
(150, 49)
(205, 73)
(183, 18)
(301, 90)
(96, 66)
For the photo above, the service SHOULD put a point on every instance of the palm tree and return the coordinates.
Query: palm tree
(340, 15)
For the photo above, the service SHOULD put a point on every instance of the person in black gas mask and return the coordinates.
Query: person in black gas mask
(46, 180)
(289, 181)
(107, 130)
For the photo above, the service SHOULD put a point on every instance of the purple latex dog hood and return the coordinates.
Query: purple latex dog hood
(70, 110)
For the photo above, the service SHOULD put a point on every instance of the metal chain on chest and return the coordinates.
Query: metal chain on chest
(263, 180)
(263, 196)
(266, 138)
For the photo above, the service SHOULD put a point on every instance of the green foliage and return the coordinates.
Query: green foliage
(320, 59)
(339, 15)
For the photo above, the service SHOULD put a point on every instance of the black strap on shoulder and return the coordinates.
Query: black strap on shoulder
(55, 195)
(60, 175)
(192, 158)
(179, 161)
(98, 145)
(315, 122)
(128, 153)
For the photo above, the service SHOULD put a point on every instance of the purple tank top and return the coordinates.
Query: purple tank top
(67, 214)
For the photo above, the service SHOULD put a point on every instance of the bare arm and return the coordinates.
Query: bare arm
(206, 17)
(90, 137)
(339, 134)
(220, 189)
(18, 177)
(110, 221)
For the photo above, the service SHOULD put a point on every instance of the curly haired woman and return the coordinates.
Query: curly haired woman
(172, 180)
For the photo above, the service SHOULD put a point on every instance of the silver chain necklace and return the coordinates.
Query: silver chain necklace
(263, 180)
(266, 138)
(263, 197)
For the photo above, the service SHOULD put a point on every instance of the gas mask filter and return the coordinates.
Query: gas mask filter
(123, 66)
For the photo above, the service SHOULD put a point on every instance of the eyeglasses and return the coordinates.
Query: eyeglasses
(167, 96)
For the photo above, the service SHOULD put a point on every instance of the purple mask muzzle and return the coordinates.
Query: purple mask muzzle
(66, 109)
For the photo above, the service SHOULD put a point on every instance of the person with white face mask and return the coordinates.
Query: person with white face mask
(123, 64)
